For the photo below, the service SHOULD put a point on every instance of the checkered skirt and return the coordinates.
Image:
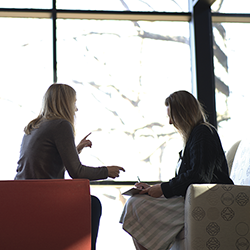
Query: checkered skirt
(153, 222)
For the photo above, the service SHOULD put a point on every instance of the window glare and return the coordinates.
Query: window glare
(123, 71)
(113, 5)
(231, 6)
(45, 4)
(128, 5)
(26, 72)
(231, 108)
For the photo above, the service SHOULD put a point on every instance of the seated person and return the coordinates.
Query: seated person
(154, 220)
(48, 147)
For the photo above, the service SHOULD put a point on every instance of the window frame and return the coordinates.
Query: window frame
(206, 94)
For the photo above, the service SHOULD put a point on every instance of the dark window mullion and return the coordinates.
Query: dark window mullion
(54, 41)
(203, 52)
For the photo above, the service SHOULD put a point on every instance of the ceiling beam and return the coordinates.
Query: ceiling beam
(23, 13)
(97, 15)
(230, 18)
(126, 16)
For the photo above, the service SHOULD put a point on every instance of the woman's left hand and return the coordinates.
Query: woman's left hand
(83, 144)
(154, 191)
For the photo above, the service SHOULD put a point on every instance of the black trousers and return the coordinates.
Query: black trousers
(96, 212)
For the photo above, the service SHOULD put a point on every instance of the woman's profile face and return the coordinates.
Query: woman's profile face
(168, 114)
(76, 109)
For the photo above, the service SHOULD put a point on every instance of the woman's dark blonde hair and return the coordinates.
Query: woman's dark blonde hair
(58, 103)
(185, 112)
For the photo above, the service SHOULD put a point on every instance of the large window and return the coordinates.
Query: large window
(231, 51)
(44, 4)
(122, 71)
(123, 57)
(232, 101)
(26, 73)
(231, 6)
(125, 5)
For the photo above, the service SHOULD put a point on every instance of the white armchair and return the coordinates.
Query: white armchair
(218, 216)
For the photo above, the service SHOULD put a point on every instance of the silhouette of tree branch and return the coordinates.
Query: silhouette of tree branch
(221, 86)
(221, 30)
(221, 56)
(219, 4)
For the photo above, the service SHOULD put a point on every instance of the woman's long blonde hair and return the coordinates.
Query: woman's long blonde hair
(58, 102)
(185, 112)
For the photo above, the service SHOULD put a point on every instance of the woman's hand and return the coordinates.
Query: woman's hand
(141, 185)
(154, 191)
(83, 144)
(114, 171)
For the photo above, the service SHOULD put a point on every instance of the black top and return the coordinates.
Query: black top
(50, 150)
(203, 161)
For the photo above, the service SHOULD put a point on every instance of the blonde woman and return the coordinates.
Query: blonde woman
(48, 147)
(154, 220)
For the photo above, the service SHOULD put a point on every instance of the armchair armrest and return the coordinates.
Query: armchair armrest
(217, 217)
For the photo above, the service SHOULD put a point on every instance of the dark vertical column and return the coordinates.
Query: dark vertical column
(201, 25)
(54, 42)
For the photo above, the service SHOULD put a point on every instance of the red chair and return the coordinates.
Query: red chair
(45, 215)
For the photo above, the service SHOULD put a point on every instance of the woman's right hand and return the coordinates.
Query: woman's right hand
(83, 144)
(141, 185)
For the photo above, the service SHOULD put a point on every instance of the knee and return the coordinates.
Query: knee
(96, 205)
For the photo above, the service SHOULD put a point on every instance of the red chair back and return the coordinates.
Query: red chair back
(45, 215)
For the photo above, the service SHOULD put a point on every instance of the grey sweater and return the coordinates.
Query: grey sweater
(50, 150)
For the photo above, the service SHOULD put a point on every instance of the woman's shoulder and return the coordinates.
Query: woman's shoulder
(57, 123)
(58, 128)
(203, 130)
